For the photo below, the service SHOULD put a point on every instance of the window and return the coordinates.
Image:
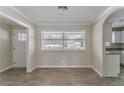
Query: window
(22, 37)
(52, 40)
(74, 40)
(63, 40)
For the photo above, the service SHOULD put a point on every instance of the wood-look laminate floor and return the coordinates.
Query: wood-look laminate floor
(57, 77)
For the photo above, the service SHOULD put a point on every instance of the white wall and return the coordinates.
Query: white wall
(97, 48)
(68, 58)
(32, 48)
(5, 46)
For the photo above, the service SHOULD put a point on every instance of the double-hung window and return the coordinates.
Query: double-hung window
(63, 40)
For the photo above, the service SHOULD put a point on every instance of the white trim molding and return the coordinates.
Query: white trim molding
(14, 20)
(32, 69)
(63, 67)
(35, 67)
(63, 23)
(99, 73)
(2, 70)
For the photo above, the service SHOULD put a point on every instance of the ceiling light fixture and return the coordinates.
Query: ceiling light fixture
(62, 9)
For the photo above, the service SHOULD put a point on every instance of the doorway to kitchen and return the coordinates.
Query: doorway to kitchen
(114, 44)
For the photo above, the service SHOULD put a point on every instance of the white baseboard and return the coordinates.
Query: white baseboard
(29, 71)
(2, 70)
(99, 73)
(63, 67)
(35, 67)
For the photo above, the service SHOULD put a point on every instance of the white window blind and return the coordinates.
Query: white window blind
(63, 40)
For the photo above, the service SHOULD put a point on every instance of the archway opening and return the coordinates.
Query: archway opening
(113, 43)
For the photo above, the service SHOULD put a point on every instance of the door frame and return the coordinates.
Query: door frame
(27, 52)
(28, 67)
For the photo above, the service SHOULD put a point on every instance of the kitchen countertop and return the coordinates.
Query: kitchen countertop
(112, 53)
(114, 49)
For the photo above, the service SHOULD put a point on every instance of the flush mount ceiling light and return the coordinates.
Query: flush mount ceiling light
(62, 9)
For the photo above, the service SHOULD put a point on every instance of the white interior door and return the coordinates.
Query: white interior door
(19, 48)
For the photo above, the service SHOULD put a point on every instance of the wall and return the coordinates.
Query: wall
(97, 48)
(5, 46)
(32, 48)
(64, 59)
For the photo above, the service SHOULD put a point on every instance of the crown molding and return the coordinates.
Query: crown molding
(13, 19)
(21, 14)
(61, 23)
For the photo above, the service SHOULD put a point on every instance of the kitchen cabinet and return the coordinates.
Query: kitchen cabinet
(122, 36)
(116, 37)
(107, 32)
(122, 58)
(113, 65)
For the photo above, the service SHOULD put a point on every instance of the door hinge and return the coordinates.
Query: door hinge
(14, 62)
(14, 49)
